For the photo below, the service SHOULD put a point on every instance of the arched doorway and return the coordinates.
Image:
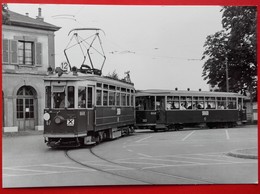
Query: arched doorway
(26, 108)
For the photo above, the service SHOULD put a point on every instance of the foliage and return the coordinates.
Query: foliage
(235, 46)
(113, 75)
(5, 14)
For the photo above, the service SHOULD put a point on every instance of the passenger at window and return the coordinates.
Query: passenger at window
(82, 102)
(62, 103)
(182, 107)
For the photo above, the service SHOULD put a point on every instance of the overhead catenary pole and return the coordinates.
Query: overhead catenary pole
(227, 84)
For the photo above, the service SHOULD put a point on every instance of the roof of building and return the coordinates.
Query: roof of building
(17, 19)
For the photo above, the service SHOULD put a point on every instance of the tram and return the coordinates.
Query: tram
(174, 109)
(83, 107)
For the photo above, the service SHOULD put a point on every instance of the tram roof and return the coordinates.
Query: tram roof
(83, 77)
(157, 92)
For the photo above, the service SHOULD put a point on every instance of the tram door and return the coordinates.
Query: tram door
(160, 109)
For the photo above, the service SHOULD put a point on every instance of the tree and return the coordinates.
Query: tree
(234, 47)
(113, 75)
(5, 14)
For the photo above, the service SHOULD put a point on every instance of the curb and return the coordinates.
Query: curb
(238, 154)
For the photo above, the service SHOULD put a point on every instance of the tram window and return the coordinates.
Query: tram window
(210, 103)
(188, 102)
(48, 97)
(132, 100)
(105, 98)
(172, 103)
(221, 102)
(183, 103)
(81, 97)
(112, 98)
(112, 88)
(99, 85)
(169, 102)
(123, 99)
(128, 99)
(200, 104)
(145, 103)
(232, 103)
(105, 86)
(240, 104)
(99, 95)
(90, 97)
(59, 99)
(71, 97)
(118, 99)
(160, 103)
(123, 89)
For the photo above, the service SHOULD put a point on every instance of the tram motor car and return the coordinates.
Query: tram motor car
(83, 107)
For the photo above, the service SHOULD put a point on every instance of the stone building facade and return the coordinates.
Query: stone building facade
(27, 52)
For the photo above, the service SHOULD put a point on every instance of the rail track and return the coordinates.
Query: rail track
(131, 178)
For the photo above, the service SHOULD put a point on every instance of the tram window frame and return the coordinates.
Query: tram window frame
(82, 102)
(99, 97)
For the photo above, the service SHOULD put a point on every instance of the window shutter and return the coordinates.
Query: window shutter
(14, 51)
(5, 51)
(38, 53)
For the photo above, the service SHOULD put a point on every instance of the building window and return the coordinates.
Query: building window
(25, 52)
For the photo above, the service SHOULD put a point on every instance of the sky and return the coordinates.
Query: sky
(161, 46)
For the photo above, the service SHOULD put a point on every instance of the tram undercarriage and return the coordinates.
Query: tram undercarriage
(92, 138)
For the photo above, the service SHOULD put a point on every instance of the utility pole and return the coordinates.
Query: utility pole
(227, 84)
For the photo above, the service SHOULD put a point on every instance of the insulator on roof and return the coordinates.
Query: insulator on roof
(188, 89)
(176, 89)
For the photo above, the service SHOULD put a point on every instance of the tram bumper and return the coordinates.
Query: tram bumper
(62, 142)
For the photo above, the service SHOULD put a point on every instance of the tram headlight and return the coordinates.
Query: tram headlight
(46, 116)
(58, 119)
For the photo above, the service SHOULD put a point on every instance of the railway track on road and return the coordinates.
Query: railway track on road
(128, 176)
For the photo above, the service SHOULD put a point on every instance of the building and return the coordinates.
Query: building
(27, 52)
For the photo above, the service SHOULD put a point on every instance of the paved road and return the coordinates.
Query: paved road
(145, 158)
